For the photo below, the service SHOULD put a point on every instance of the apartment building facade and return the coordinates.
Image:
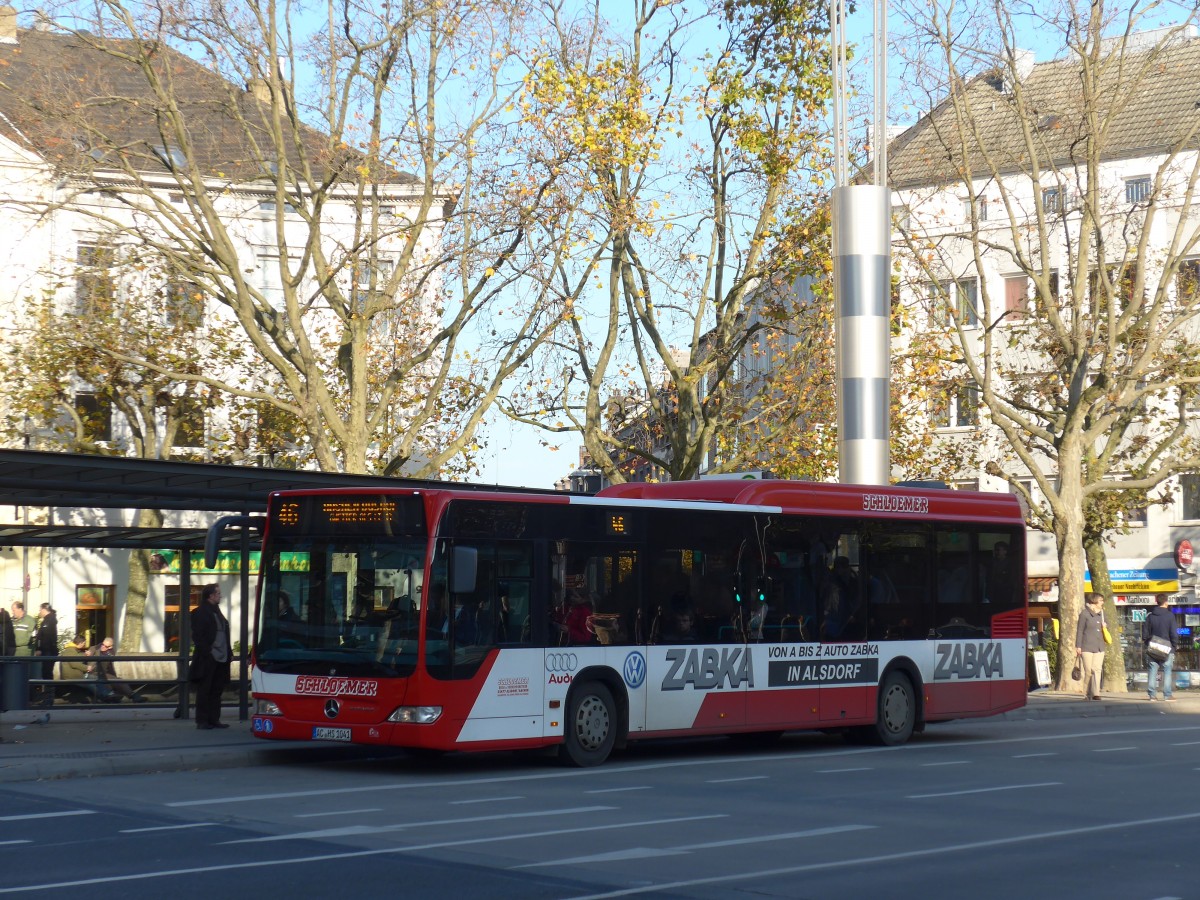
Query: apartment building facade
(1017, 218)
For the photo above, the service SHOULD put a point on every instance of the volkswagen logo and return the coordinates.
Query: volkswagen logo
(634, 669)
(561, 662)
(332, 708)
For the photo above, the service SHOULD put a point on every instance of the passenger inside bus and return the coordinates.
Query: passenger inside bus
(839, 598)
(573, 626)
(463, 622)
(681, 626)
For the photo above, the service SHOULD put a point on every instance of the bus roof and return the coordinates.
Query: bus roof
(817, 498)
(795, 497)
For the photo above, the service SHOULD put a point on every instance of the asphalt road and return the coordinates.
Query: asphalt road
(1096, 808)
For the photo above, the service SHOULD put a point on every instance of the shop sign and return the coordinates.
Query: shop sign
(1134, 599)
(1183, 554)
(1139, 581)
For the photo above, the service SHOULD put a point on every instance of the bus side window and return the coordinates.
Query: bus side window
(514, 625)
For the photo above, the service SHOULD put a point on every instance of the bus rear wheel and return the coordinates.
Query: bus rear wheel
(897, 714)
(591, 725)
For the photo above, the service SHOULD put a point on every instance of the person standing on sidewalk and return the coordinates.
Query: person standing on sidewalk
(1089, 643)
(210, 663)
(1160, 623)
(45, 644)
(23, 627)
(7, 639)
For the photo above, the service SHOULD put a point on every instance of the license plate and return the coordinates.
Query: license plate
(330, 734)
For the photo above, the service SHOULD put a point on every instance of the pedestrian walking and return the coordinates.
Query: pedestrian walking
(1089, 643)
(209, 670)
(1161, 640)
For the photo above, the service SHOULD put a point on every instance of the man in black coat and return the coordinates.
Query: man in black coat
(45, 644)
(210, 661)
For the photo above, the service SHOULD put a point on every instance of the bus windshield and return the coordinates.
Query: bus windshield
(350, 603)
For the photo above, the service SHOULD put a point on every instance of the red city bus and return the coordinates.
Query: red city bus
(447, 619)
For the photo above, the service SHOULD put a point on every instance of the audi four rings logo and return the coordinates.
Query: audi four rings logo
(561, 662)
(332, 707)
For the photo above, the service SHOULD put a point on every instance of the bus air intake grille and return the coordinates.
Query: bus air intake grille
(1009, 624)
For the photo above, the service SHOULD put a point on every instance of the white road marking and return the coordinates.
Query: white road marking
(403, 826)
(615, 769)
(812, 832)
(1007, 787)
(7, 843)
(888, 857)
(49, 815)
(647, 852)
(732, 780)
(1111, 749)
(350, 854)
(640, 787)
(167, 828)
(338, 812)
(951, 762)
(1032, 755)
(483, 800)
(1186, 744)
(837, 771)
(614, 856)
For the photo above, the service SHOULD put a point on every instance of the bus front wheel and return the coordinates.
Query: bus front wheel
(591, 725)
(897, 714)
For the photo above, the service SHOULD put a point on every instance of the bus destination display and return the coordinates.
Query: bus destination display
(378, 514)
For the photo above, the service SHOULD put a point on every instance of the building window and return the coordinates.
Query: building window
(1187, 283)
(95, 417)
(901, 217)
(1051, 200)
(1136, 513)
(95, 286)
(1189, 489)
(980, 209)
(183, 302)
(1016, 296)
(961, 296)
(955, 406)
(1137, 190)
(269, 206)
(360, 288)
(270, 282)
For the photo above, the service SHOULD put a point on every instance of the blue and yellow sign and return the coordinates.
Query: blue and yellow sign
(1139, 581)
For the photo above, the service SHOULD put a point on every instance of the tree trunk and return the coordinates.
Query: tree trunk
(139, 587)
(1114, 657)
(1068, 535)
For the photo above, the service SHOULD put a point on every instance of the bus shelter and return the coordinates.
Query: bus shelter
(35, 479)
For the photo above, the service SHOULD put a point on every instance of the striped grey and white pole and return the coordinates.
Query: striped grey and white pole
(861, 215)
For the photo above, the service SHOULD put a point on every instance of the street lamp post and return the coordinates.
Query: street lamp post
(861, 216)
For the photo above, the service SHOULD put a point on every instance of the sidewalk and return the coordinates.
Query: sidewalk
(128, 740)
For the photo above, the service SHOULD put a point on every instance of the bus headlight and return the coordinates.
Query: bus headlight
(266, 708)
(416, 715)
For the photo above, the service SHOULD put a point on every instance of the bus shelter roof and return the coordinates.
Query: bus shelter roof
(30, 478)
